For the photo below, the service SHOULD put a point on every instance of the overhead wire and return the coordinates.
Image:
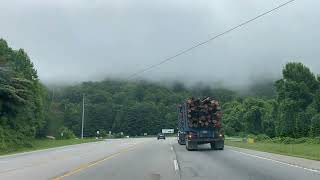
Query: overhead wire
(208, 40)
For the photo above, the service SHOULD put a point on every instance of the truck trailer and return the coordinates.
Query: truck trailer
(199, 122)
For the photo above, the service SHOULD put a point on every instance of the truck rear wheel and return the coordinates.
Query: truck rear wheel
(217, 145)
(187, 146)
(212, 146)
(191, 146)
(180, 142)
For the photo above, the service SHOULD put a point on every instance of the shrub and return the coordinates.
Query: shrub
(301, 140)
(262, 137)
(275, 140)
(252, 136)
(315, 125)
(11, 140)
(315, 140)
(65, 133)
(103, 133)
(242, 134)
(230, 131)
(287, 140)
(118, 135)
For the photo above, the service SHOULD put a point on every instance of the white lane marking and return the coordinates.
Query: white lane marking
(171, 148)
(47, 149)
(280, 162)
(176, 165)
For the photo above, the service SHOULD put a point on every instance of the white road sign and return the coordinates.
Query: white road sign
(168, 131)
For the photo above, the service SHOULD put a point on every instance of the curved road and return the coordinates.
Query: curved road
(150, 159)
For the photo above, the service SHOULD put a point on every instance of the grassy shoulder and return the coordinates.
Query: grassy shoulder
(303, 150)
(39, 144)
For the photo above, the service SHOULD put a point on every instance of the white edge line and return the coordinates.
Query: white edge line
(280, 162)
(46, 149)
(176, 165)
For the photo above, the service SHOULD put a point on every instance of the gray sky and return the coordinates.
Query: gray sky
(80, 40)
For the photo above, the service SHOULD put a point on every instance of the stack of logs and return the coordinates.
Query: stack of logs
(204, 112)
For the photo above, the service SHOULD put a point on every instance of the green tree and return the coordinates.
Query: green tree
(22, 98)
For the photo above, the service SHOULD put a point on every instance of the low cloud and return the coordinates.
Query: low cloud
(73, 41)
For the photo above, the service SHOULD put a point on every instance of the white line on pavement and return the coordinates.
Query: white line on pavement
(171, 148)
(47, 149)
(280, 162)
(176, 165)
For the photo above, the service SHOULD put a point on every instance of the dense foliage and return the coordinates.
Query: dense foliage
(133, 108)
(21, 98)
(295, 112)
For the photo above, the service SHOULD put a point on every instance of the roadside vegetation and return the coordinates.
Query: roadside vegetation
(308, 148)
(288, 123)
(293, 112)
(286, 108)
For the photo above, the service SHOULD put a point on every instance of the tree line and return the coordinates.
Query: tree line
(293, 112)
(289, 107)
(133, 108)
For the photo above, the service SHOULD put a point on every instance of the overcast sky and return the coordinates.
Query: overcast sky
(72, 41)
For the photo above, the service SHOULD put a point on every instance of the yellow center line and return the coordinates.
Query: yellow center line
(37, 163)
(94, 163)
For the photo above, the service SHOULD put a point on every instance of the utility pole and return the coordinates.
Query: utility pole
(52, 94)
(82, 123)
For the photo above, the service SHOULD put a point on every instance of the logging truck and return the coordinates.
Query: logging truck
(199, 122)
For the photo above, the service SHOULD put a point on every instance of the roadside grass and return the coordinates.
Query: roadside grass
(39, 144)
(304, 150)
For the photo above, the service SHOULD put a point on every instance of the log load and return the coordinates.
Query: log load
(203, 112)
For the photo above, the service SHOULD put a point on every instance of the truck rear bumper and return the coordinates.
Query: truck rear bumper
(205, 140)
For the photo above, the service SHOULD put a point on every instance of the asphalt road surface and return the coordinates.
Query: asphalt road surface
(149, 159)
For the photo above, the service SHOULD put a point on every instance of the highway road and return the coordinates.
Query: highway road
(150, 159)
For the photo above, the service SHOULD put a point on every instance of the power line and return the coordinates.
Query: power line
(208, 40)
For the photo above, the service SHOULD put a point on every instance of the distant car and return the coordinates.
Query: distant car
(161, 136)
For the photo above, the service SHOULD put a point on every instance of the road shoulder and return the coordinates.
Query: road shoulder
(289, 160)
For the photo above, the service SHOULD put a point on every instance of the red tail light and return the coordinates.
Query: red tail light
(192, 135)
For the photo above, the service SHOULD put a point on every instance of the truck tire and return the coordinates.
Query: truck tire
(212, 146)
(187, 146)
(180, 142)
(219, 146)
(222, 147)
(191, 146)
